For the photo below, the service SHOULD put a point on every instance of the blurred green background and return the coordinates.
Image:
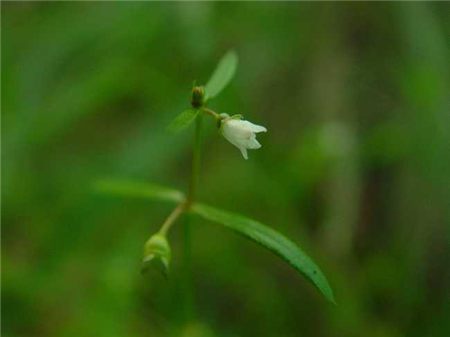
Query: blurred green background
(355, 167)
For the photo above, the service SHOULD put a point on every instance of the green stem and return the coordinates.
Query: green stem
(195, 161)
(187, 287)
(171, 218)
(211, 112)
(188, 291)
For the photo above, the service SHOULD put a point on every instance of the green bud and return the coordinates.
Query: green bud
(198, 97)
(157, 254)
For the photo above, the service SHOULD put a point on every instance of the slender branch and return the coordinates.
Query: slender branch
(211, 112)
(172, 217)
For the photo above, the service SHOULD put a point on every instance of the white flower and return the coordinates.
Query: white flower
(241, 133)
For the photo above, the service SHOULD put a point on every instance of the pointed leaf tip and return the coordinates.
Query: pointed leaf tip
(222, 75)
(272, 240)
(127, 188)
(183, 120)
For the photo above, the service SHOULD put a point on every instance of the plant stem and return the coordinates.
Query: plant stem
(196, 154)
(188, 291)
(211, 112)
(195, 161)
(187, 287)
(171, 218)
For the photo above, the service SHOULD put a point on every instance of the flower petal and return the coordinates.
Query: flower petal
(241, 133)
(254, 127)
(238, 140)
(237, 128)
(244, 152)
(253, 143)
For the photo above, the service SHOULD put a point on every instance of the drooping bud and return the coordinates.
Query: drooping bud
(157, 254)
(198, 97)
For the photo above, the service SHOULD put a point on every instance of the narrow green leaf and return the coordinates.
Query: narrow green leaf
(126, 188)
(222, 75)
(183, 120)
(270, 239)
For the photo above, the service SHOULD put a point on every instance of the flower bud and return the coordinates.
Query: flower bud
(198, 97)
(157, 253)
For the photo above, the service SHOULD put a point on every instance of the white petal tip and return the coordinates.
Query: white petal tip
(244, 153)
(258, 128)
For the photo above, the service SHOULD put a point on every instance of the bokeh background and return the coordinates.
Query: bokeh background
(355, 167)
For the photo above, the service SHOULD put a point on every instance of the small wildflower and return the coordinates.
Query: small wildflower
(240, 133)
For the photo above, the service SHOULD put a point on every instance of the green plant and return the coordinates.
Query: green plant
(240, 133)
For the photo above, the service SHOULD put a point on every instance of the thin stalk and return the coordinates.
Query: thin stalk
(171, 218)
(187, 286)
(188, 291)
(211, 112)
(195, 161)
